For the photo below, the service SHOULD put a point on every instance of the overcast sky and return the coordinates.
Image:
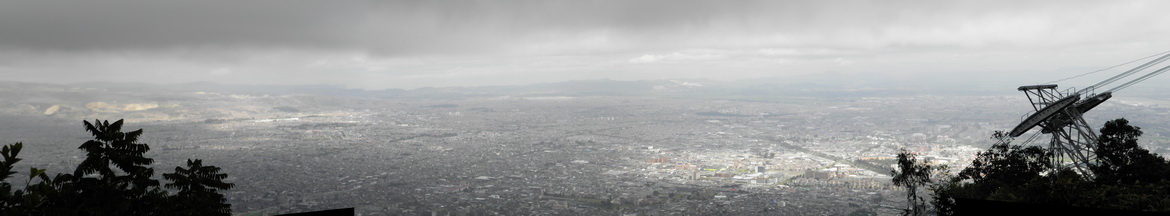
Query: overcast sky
(411, 44)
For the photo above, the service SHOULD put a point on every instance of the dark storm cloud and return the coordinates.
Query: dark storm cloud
(88, 25)
(405, 44)
(453, 26)
(386, 26)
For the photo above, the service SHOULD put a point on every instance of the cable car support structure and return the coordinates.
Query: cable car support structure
(1060, 114)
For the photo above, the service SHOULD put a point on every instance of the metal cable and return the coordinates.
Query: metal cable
(1109, 68)
(1029, 140)
(1139, 79)
(1126, 73)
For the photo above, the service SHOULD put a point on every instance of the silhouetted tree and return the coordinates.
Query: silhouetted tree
(199, 188)
(1121, 161)
(33, 199)
(114, 179)
(15, 202)
(1004, 163)
(1127, 176)
(913, 175)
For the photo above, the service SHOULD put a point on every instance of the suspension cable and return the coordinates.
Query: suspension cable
(1125, 74)
(1030, 139)
(1139, 79)
(1109, 68)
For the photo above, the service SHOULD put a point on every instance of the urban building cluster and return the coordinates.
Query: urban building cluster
(588, 155)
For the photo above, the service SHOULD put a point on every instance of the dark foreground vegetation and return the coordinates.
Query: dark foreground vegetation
(114, 179)
(1125, 177)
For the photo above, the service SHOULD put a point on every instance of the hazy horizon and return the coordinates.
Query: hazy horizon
(544, 107)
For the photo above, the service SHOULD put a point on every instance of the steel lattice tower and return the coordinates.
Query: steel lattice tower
(1060, 114)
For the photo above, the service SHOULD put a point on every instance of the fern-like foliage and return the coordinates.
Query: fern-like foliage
(114, 179)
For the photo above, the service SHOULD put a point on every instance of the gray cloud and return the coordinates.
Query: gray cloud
(446, 42)
(89, 25)
(461, 26)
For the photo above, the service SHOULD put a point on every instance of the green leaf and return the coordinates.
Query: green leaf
(34, 172)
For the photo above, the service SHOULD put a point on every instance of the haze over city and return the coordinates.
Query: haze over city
(580, 107)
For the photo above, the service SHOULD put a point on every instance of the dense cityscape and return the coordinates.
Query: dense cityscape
(543, 155)
(522, 107)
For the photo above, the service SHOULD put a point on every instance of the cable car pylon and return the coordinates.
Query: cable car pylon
(1060, 114)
